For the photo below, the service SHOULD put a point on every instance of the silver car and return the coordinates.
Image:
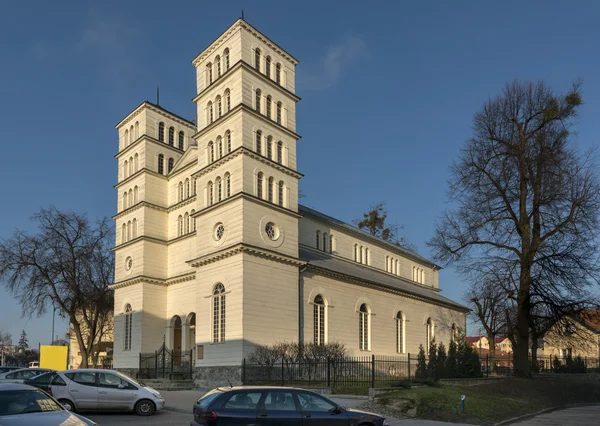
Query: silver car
(22, 374)
(97, 389)
(26, 405)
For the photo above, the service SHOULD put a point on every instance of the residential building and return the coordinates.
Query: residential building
(575, 335)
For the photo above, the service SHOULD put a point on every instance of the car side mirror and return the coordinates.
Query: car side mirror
(336, 410)
(121, 386)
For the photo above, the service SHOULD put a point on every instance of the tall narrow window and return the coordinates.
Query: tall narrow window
(270, 193)
(187, 188)
(399, 333)
(360, 254)
(278, 73)
(227, 100)
(126, 137)
(219, 146)
(453, 333)
(219, 188)
(227, 185)
(270, 147)
(211, 152)
(397, 268)
(193, 219)
(135, 195)
(268, 67)
(219, 314)
(318, 240)
(259, 185)
(210, 193)
(430, 333)
(128, 327)
(130, 165)
(171, 164)
(129, 231)
(226, 58)
(325, 241)
(125, 195)
(161, 164)
(194, 186)
(219, 107)
(125, 169)
(280, 152)
(180, 226)
(281, 191)
(279, 107)
(181, 139)
(387, 264)
(268, 109)
(131, 197)
(330, 243)
(124, 234)
(209, 72)
(136, 165)
(180, 192)
(209, 109)
(172, 136)
(137, 130)
(228, 140)
(356, 252)
(259, 142)
(186, 222)
(257, 100)
(218, 62)
(161, 131)
(366, 256)
(134, 226)
(363, 330)
(319, 321)
(257, 59)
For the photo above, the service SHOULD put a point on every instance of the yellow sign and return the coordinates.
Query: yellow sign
(54, 357)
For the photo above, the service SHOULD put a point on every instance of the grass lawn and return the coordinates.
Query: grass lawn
(493, 402)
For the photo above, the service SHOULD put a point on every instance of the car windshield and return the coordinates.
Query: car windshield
(207, 398)
(26, 401)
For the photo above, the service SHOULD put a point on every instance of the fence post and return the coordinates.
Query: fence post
(155, 364)
(282, 373)
(163, 361)
(373, 371)
(328, 372)
(487, 365)
(192, 361)
(409, 366)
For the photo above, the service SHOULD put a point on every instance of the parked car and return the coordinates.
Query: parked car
(275, 405)
(97, 389)
(22, 374)
(7, 369)
(25, 405)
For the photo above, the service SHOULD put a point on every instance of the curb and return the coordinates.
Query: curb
(361, 397)
(178, 410)
(544, 411)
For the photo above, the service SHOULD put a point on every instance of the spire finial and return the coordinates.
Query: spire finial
(157, 95)
(242, 13)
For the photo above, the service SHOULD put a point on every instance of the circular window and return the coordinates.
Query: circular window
(272, 231)
(128, 264)
(219, 231)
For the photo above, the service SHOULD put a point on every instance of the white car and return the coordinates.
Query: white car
(22, 374)
(97, 389)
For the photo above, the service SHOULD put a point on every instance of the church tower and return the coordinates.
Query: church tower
(246, 261)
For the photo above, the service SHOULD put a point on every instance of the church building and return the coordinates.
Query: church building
(214, 254)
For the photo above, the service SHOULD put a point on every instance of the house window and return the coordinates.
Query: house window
(259, 185)
(135, 195)
(257, 59)
(227, 185)
(128, 327)
(194, 186)
(319, 321)
(187, 188)
(161, 164)
(270, 190)
(280, 195)
(279, 107)
(211, 152)
(218, 107)
(210, 193)
(181, 138)
(124, 234)
(209, 109)
(399, 333)
(280, 152)
(171, 136)
(318, 240)
(171, 164)
(259, 142)
(129, 231)
(331, 244)
(136, 166)
(125, 199)
(219, 314)
(226, 57)
(367, 256)
(360, 254)
(278, 73)
(363, 328)
(269, 101)
(270, 147)
(257, 100)
(227, 100)
(126, 137)
(161, 131)
(218, 62)
(186, 221)
(228, 140)
(356, 252)
(125, 168)
(268, 67)
(180, 226)
(193, 219)
(454, 334)
(209, 71)
(180, 191)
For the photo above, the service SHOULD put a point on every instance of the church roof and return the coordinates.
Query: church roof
(336, 222)
(365, 274)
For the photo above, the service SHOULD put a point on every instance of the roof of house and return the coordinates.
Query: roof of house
(369, 275)
(473, 339)
(322, 216)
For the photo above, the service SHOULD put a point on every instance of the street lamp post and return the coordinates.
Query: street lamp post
(53, 314)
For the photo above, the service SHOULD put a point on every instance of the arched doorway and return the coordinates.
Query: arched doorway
(176, 324)
(192, 335)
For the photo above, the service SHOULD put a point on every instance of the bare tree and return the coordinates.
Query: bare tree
(374, 222)
(526, 197)
(68, 263)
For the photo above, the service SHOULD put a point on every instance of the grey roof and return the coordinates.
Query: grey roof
(368, 275)
(307, 210)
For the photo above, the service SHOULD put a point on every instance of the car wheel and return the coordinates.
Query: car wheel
(144, 407)
(67, 404)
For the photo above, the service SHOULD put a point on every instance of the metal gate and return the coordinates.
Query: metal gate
(166, 364)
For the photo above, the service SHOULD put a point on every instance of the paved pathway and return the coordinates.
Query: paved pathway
(579, 416)
(162, 418)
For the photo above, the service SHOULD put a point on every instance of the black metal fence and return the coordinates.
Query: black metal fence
(373, 371)
(503, 364)
(166, 364)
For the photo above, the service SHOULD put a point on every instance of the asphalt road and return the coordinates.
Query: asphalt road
(161, 418)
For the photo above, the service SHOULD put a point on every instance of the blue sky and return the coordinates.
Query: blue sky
(388, 93)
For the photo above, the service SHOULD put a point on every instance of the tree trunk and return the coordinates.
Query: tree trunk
(521, 351)
(492, 350)
(534, 348)
(82, 347)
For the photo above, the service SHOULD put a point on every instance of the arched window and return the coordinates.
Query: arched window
(186, 221)
(171, 164)
(331, 244)
(270, 147)
(226, 58)
(453, 333)
(134, 226)
(399, 332)
(227, 185)
(129, 231)
(228, 140)
(361, 254)
(218, 62)
(130, 165)
(279, 108)
(211, 152)
(126, 137)
(193, 219)
(161, 164)
(387, 264)
(397, 267)
(259, 185)
(180, 192)
(130, 197)
(125, 169)
(363, 328)
(281, 193)
(219, 314)
(270, 193)
(172, 136)
(219, 107)
(278, 73)
(366, 256)
(137, 130)
(319, 321)
(280, 152)
(125, 195)
(414, 273)
(128, 327)
(356, 252)
(181, 139)
(135, 194)
(161, 131)
(136, 165)
(422, 276)
(268, 109)
(131, 133)
(429, 328)
(219, 146)
(325, 241)
(268, 67)
(209, 110)
(124, 234)
(219, 188)
(209, 72)
(259, 142)
(257, 100)
(180, 226)
(257, 59)
(210, 193)
(318, 245)
(227, 100)
(194, 186)
(187, 188)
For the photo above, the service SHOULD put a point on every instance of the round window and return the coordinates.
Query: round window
(272, 231)
(219, 231)
(128, 263)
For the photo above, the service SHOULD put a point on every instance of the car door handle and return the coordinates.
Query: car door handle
(102, 392)
(73, 390)
(307, 415)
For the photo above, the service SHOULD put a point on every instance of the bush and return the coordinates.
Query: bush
(421, 372)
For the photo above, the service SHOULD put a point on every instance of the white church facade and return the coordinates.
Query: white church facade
(214, 254)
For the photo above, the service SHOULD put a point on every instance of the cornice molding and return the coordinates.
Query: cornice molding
(274, 164)
(245, 248)
(218, 163)
(183, 168)
(149, 139)
(155, 240)
(248, 197)
(169, 209)
(155, 281)
(157, 109)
